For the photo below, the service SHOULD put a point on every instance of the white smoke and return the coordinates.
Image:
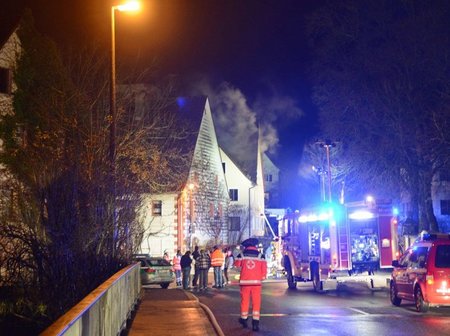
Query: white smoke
(237, 123)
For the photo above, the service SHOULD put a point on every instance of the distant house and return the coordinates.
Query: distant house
(196, 213)
(246, 186)
(246, 201)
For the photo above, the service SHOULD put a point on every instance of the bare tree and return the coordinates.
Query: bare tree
(59, 220)
(380, 84)
(243, 213)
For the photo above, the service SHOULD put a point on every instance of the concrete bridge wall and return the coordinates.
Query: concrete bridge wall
(105, 310)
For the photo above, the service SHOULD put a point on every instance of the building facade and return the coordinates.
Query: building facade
(197, 214)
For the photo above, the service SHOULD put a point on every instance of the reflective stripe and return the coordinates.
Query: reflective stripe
(249, 282)
(252, 258)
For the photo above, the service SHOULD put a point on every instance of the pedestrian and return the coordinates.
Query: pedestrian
(217, 261)
(229, 262)
(185, 263)
(204, 263)
(195, 256)
(177, 267)
(166, 257)
(253, 270)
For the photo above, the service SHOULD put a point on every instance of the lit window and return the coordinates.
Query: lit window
(233, 194)
(156, 208)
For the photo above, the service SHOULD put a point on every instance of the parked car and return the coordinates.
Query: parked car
(155, 270)
(422, 274)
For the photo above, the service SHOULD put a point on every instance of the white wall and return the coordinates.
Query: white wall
(159, 231)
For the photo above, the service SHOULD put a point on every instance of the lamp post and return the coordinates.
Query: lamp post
(327, 144)
(126, 7)
(130, 6)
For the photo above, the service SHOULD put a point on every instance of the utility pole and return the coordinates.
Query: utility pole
(327, 144)
(321, 173)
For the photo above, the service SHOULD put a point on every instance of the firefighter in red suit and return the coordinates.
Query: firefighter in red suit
(253, 270)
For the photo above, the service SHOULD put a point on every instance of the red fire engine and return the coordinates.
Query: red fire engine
(336, 243)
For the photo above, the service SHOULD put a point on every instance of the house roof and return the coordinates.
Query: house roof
(247, 164)
(190, 112)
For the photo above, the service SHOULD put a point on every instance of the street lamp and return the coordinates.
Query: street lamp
(327, 144)
(126, 7)
(130, 6)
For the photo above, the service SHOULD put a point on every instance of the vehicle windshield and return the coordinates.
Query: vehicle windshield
(158, 262)
(443, 256)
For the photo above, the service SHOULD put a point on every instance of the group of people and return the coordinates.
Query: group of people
(202, 260)
(253, 270)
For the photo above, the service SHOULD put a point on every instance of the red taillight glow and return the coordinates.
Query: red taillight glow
(150, 270)
(443, 289)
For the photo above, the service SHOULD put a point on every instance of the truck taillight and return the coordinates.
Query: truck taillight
(430, 279)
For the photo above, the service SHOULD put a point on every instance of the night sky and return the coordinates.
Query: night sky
(250, 57)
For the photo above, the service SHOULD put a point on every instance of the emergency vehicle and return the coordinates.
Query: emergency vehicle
(337, 243)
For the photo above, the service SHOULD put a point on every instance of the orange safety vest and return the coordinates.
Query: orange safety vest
(217, 258)
(176, 263)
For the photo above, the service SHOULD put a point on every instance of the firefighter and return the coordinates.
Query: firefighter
(253, 270)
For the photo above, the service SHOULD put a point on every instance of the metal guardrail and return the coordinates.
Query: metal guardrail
(105, 310)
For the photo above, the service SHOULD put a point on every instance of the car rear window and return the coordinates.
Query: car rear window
(159, 262)
(443, 256)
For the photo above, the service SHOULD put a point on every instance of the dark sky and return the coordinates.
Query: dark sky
(248, 56)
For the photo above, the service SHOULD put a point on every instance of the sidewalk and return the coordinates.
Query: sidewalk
(165, 312)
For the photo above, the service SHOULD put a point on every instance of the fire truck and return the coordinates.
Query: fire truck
(335, 243)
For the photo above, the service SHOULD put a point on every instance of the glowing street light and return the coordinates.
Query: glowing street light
(130, 6)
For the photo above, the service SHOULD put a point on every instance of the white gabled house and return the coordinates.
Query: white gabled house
(197, 214)
(246, 211)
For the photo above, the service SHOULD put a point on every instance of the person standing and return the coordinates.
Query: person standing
(217, 261)
(229, 262)
(185, 264)
(253, 270)
(204, 263)
(177, 267)
(195, 256)
(166, 256)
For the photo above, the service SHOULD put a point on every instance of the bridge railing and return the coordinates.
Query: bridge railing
(105, 310)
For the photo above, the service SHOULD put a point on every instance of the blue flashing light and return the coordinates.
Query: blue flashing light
(395, 211)
(181, 102)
